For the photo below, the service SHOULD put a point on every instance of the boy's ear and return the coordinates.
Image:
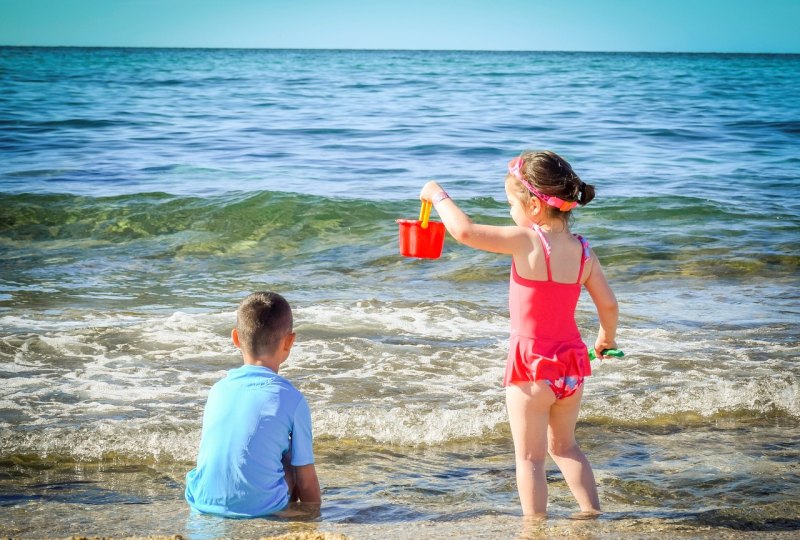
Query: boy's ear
(235, 339)
(288, 341)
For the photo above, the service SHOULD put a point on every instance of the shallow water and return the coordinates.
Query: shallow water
(143, 193)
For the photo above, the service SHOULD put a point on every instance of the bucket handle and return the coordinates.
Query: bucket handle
(425, 213)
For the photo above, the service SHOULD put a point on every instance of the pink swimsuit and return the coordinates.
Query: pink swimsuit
(545, 343)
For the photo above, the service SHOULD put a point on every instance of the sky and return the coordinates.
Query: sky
(749, 26)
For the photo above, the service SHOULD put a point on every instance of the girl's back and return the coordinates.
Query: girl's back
(566, 251)
(542, 306)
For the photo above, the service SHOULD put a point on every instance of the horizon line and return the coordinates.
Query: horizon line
(348, 49)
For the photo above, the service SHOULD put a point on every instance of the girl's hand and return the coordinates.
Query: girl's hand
(429, 190)
(601, 345)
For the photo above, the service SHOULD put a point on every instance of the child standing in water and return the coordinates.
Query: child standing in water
(547, 360)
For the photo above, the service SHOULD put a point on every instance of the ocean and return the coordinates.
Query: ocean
(145, 192)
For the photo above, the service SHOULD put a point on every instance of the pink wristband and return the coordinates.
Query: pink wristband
(439, 197)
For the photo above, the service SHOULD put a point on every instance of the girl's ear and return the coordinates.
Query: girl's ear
(535, 206)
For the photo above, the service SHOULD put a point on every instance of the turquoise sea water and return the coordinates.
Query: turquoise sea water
(143, 193)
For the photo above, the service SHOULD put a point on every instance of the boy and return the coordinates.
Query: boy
(256, 447)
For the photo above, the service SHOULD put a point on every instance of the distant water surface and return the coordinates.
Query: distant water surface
(143, 193)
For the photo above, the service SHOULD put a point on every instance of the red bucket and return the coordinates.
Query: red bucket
(418, 242)
(421, 238)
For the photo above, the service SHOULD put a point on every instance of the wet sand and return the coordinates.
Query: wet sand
(495, 527)
(290, 536)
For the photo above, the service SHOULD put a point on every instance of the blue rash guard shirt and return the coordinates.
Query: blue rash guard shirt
(252, 418)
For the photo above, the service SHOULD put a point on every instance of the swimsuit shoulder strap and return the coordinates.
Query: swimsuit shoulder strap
(546, 247)
(585, 256)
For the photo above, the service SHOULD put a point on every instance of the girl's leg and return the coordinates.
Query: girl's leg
(567, 454)
(528, 407)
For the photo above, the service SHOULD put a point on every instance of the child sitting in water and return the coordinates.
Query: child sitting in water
(256, 451)
(547, 360)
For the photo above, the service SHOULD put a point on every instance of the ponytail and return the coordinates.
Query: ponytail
(586, 193)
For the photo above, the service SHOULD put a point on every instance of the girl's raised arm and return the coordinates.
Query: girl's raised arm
(495, 239)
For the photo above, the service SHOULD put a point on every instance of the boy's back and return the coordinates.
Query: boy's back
(247, 422)
(256, 450)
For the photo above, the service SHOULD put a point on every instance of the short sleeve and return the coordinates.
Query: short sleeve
(302, 439)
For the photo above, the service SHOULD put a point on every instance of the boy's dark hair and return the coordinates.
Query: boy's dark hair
(262, 320)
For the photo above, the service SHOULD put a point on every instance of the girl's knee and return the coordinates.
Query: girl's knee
(558, 448)
(536, 460)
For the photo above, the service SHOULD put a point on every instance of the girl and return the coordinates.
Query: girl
(547, 361)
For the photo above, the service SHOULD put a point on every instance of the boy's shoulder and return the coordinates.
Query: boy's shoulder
(257, 377)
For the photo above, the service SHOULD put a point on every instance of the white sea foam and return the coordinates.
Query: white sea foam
(433, 321)
(410, 426)
(392, 373)
(131, 438)
(667, 373)
(40, 323)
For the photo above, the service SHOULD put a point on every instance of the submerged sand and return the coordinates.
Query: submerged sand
(289, 536)
(483, 528)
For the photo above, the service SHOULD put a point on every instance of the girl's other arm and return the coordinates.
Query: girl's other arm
(606, 304)
(491, 238)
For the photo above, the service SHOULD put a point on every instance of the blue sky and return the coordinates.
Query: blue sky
(567, 25)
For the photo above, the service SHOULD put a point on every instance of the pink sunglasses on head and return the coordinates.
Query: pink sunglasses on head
(514, 167)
